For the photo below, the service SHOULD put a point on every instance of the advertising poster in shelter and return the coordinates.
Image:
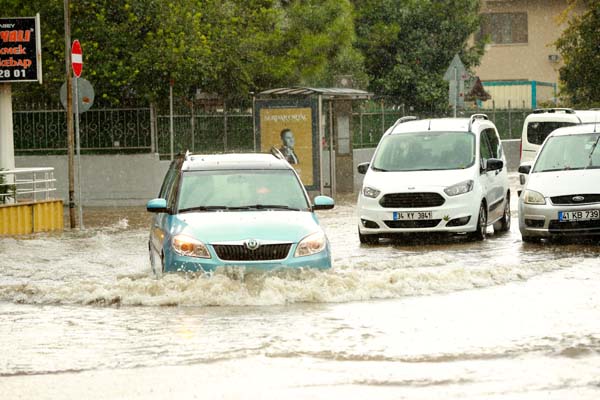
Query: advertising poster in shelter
(290, 130)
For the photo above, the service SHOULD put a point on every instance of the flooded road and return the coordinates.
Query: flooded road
(82, 317)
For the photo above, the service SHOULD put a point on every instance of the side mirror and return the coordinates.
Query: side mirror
(362, 168)
(157, 205)
(323, 203)
(494, 164)
(525, 169)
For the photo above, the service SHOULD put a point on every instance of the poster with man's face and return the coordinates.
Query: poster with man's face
(290, 131)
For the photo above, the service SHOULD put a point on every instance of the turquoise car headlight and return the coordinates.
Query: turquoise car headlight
(189, 247)
(312, 244)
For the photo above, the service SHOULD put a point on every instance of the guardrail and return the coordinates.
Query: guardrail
(26, 184)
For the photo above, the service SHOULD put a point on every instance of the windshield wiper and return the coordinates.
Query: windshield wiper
(203, 208)
(379, 169)
(592, 152)
(265, 206)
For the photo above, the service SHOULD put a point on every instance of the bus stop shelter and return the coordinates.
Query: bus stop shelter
(313, 129)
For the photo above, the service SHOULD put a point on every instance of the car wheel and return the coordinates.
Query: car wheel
(481, 230)
(368, 239)
(530, 239)
(503, 225)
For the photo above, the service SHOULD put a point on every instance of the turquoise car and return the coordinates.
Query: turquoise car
(240, 210)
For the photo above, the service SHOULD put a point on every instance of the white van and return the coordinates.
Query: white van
(539, 124)
(435, 175)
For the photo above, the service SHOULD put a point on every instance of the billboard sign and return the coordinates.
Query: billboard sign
(291, 128)
(20, 50)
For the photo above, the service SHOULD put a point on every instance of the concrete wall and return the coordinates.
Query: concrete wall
(131, 180)
(107, 180)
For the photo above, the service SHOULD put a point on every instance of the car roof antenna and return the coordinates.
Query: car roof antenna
(429, 127)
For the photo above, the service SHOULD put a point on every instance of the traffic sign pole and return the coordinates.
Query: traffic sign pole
(457, 88)
(77, 62)
(78, 146)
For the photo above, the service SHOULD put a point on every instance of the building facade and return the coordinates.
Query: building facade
(520, 65)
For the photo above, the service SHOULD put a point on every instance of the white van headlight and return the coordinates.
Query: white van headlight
(312, 244)
(189, 247)
(370, 192)
(533, 197)
(459, 188)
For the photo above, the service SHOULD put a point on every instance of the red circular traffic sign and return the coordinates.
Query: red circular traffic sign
(76, 58)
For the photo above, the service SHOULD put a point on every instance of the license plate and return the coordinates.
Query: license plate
(583, 215)
(412, 215)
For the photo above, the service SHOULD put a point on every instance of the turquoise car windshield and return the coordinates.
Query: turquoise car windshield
(561, 153)
(240, 190)
(425, 151)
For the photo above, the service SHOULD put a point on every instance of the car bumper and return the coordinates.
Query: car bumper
(449, 216)
(542, 221)
(177, 263)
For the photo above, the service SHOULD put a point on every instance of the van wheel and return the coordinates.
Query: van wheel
(503, 224)
(481, 230)
(368, 239)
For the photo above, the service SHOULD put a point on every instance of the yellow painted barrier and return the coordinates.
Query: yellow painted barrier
(31, 217)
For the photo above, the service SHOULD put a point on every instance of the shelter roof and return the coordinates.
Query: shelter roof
(326, 93)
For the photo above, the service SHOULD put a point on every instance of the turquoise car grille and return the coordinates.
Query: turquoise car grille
(265, 252)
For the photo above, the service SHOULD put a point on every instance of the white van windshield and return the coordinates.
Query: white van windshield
(425, 151)
(538, 131)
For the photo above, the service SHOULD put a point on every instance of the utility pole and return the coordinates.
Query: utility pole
(70, 133)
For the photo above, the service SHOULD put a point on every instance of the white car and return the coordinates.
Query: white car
(562, 194)
(539, 124)
(435, 175)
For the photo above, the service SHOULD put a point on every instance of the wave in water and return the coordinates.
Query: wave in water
(235, 287)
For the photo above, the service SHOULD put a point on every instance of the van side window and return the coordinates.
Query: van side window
(494, 142)
(484, 147)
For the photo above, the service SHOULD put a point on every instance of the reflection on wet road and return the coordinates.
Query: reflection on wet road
(414, 319)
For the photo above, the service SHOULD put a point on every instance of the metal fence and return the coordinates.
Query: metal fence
(369, 122)
(101, 130)
(130, 130)
(206, 133)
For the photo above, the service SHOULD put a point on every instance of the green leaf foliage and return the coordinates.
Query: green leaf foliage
(408, 45)
(133, 48)
(580, 51)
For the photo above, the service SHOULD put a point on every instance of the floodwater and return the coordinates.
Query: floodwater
(82, 317)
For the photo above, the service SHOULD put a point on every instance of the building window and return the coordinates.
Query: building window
(503, 28)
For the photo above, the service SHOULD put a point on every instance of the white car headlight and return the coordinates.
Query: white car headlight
(459, 188)
(533, 197)
(370, 192)
(312, 244)
(189, 247)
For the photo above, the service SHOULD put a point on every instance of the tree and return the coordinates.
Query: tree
(408, 45)
(578, 46)
(133, 48)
